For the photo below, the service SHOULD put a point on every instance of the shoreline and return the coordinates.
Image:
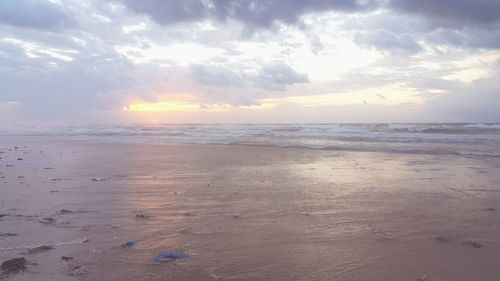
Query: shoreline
(340, 149)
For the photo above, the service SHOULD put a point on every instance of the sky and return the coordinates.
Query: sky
(260, 61)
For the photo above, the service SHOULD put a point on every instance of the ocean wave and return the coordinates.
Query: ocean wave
(468, 139)
(461, 130)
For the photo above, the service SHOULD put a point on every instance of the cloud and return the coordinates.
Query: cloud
(47, 86)
(475, 102)
(170, 12)
(385, 40)
(451, 13)
(456, 23)
(279, 75)
(115, 55)
(242, 84)
(252, 13)
(273, 77)
(263, 13)
(37, 14)
(216, 75)
(468, 37)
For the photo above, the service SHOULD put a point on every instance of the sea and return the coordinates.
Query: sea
(467, 139)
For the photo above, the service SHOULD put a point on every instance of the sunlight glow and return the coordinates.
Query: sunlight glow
(161, 106)
(165, 106)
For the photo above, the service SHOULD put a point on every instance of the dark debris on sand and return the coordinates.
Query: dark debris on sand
(100, 179)
(13, 266)
(65, 258)
(65, 211)
(142, 216)
(39, 249)
(472, 243)
(7, 234)
(443, 238)
(48, 221)
(79, 270)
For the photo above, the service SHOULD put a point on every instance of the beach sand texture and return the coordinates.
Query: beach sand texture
(246, 213)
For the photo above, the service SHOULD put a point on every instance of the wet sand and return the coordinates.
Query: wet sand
(246, 213)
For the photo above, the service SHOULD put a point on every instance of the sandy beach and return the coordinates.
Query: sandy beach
(245, 212)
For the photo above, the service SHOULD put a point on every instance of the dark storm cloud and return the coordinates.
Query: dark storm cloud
(453, 13)
(253, 13)
(401, 29)
(263, 13)
(34, 14)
